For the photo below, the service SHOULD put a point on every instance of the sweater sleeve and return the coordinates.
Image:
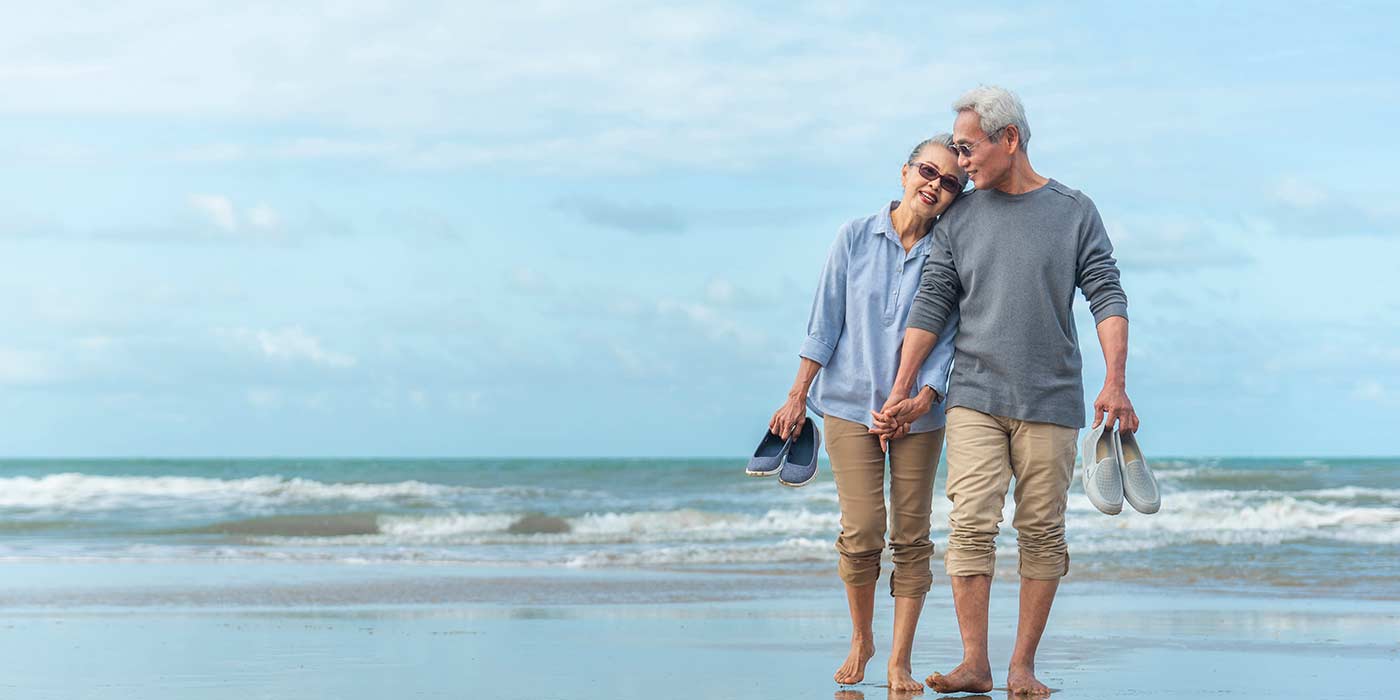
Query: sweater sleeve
(938, 286)
(1096, 272)
(934, 372)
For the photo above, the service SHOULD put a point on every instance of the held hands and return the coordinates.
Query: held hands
(1113, 402)
(893, 420)
(787, 420)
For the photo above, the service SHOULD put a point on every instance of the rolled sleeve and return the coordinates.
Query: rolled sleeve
(1097, 274)
(938, 286)
(816, 350)
(828, 317)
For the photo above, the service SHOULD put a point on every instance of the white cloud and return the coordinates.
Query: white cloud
(22, 367)
(527, 280)
(1372, 391)
(713, 324)
(289, 344)
(263, 397)
(1300, 193)
(218, 208)
(472, 401)
(263, 217)
(1176, 242)
(612, 84)
(223, 214)
(719, 291)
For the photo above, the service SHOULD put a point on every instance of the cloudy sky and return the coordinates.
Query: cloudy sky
(549, 228)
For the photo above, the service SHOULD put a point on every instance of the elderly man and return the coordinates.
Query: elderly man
(1008, 259)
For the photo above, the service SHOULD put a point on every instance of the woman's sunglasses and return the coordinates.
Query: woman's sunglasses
(947, 182)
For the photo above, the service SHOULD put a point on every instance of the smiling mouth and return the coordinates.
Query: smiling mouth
(928, 198)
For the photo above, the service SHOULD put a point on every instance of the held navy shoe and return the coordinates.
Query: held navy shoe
(800, 464)
(1139, 485)
(767, 460)
(1103, 482)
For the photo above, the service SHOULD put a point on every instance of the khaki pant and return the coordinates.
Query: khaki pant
(984, 453)
(858, 466)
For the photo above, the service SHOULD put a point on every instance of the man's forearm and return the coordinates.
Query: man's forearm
(918, 343)
(1113, 338)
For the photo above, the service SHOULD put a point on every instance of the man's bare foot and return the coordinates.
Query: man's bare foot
(902, 681)
(1022, 681)
(853, 671)
(966, 678)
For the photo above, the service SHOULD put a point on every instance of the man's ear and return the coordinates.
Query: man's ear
(1010, 133)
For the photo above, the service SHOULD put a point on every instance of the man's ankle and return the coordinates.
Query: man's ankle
(976, 661)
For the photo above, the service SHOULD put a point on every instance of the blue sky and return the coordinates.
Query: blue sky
(594, 228)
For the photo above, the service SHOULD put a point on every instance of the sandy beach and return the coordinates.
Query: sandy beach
(547, 579)
(248, 631)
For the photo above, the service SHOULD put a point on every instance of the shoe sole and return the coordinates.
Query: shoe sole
(1145, 511)
(797, 486)
(772, 473)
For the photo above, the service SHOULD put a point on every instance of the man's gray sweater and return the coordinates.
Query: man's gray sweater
(1010, 264)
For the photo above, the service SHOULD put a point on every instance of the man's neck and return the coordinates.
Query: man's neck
(1022, 178)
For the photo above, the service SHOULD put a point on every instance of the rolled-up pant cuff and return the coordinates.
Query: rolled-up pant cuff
(1043, 566)
(911, 577)
(859, 569)
(910, 584)
(957, 563)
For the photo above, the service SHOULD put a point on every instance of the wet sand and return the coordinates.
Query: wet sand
(73, 630)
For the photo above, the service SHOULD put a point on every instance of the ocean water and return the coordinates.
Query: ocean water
(1308, 526)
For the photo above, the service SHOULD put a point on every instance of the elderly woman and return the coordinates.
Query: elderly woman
(848, 368)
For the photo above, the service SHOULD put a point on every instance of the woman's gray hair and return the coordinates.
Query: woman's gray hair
(945, 140)
(997, 108)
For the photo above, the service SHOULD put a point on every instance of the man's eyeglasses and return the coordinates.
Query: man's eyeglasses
(964, 150)
(948, 182)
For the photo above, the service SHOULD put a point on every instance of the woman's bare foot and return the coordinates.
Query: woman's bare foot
(1022, 681)
(966, 678)
(902, 681)
(853, 671)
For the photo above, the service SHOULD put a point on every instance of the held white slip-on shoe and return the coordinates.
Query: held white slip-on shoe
(1103, 482)
(1139, 485)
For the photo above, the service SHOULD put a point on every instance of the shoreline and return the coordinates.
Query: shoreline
(1104, 641)
(213, 583)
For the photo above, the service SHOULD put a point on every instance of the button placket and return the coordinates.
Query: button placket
(893, 300)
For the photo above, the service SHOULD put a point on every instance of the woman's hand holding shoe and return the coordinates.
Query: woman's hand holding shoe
(787, 420)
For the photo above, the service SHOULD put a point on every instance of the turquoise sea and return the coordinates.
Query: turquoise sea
(1285, 525)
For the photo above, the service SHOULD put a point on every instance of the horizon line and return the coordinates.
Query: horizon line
(7, 458)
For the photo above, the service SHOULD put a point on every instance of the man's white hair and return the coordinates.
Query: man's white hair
(996, 108)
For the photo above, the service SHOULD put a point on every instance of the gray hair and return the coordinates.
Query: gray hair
(996, 108)
(945, 140)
